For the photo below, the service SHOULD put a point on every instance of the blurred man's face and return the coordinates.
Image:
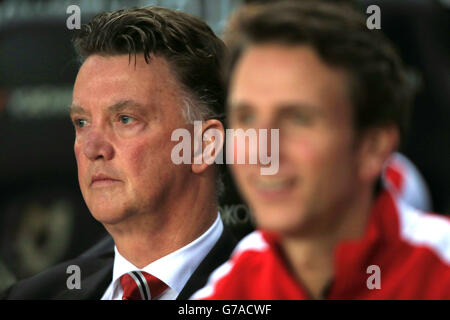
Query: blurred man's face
(290, 88)
(124, 116)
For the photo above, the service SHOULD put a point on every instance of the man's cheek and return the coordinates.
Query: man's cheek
(130, 155)
(76, 151)
(314, 151)
(140, 163)
(81, 168)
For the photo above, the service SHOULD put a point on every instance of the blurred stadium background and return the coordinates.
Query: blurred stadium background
(43, 218)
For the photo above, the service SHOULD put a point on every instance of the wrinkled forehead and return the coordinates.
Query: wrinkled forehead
(109, 80)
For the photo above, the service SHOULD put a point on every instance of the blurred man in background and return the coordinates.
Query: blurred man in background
(328, 229)
(145, 73)
(402, 178)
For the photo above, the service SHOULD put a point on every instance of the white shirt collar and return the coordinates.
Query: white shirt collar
(176, 268)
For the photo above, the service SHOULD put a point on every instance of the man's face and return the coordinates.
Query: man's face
(291, 89)
(124, 115)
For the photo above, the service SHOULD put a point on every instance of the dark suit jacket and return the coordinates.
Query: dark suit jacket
(96, 274)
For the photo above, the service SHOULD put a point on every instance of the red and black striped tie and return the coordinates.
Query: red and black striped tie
(139, 285)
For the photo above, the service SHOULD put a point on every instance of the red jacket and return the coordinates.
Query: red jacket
(411, 249)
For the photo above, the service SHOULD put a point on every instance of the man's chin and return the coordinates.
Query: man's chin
(109, 216)
(279, 221)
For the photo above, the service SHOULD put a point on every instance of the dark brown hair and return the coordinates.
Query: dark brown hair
(381, 90)
(189, 45)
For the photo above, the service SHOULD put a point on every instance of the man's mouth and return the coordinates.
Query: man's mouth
(102, 180)
(274, 184)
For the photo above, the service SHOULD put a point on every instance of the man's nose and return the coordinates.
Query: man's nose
(263, 148)
(97, 146)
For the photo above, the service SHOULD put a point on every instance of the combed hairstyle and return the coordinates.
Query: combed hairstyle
(381, 89)
(193, 51)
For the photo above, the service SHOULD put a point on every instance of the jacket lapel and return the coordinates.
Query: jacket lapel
(92, 286)
(96, 267)
(217, 256)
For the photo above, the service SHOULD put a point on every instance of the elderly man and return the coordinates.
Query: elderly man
(145, 73)
(338, 94)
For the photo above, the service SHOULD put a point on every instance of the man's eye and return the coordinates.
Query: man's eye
(125, 119)
(79, 123)
(244, 118)
(297, 118)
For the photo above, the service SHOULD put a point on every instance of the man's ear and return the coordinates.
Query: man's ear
(212, 142)
(374, 148)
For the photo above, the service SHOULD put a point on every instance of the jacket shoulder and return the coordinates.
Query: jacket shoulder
(420, 229)
(52, 283)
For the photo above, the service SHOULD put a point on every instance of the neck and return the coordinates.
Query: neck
(145, 237)
(311, 256)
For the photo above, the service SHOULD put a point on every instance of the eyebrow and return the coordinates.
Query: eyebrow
(76, 109)
(125, 105)
(302, 107)
(114, 108)
(281, 107)
(238, 106)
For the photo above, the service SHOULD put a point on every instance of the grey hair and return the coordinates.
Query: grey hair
(199, 111)
(196, 111)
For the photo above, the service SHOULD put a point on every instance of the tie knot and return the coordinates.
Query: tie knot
(139, 285)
